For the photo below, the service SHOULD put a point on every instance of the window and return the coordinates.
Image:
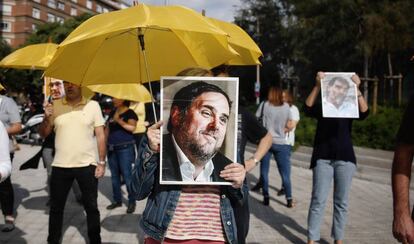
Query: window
(34, 27)
(99, 8)
(6, 9)
(6, 26)
(51, 3)
(36, 13)
(73, 11)
(61, 5)
(89, 4)
(105, 10)
(50, 17)
(59, 19)
(8, 40)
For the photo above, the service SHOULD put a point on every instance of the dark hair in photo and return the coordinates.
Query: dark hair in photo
(186, 95)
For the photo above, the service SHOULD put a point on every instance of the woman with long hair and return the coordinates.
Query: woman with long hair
(121, 150)
(276, 118)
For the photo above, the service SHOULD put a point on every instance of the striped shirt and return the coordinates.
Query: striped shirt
(197, 215)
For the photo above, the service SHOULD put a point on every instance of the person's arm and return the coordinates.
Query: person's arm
(14, 128)
(5, 163)
(261, 150)
(362, 104)
(403, 225)
(143, 176)
(100, 139)
(129, 125)
(310, 100)
(46, 126)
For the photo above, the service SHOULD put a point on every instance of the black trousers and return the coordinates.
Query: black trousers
(7, 195)
(60, 184)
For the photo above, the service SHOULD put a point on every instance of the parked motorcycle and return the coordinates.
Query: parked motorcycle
(30, 131)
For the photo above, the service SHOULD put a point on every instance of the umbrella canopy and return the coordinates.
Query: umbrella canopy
(35, 56)
(240, 41)
(106, 48)
(127, 91)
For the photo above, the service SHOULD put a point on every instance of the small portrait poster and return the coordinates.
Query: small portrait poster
(339, 96)
(199, 133)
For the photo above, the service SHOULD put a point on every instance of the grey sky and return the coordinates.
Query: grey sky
(219, 9)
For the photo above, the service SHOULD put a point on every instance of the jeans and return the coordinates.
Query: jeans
(47, 157)
(61, 181)
(120, 160)
(281, 153)
(325, 170)
(7, 194)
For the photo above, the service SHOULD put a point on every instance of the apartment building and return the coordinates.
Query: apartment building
(19, 18)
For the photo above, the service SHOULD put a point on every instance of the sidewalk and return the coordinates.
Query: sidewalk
(370, 215)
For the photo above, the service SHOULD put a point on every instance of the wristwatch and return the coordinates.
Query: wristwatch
(102, 162)
(256, 162)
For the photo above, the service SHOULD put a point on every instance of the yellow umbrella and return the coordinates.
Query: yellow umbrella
(2, 87)
(35, 56)
(127, 91)
(105, 49)
(240, 41)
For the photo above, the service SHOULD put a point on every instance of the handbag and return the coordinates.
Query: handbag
(260, 119)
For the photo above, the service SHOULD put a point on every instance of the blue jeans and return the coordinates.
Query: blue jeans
(281, 153)
(323, 173)
(120, 160)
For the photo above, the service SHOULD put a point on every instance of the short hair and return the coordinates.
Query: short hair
(275, 96)
(195, 71)
(186, 95)
(126, 103)
(340, 80)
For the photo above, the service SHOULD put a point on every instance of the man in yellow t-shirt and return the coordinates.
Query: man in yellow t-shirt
(79, 128)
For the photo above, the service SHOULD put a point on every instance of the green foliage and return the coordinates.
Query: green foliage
(376, 131)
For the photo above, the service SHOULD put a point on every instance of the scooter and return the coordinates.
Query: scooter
(30, 131)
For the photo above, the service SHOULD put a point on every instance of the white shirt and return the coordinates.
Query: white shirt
(187, 168)
(290, 136)
(346, 110)
(5, 163)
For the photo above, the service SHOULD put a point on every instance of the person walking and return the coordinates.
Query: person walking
(9, 116)
(333, 158)
(121, 150)
(79, 129)
(276, 119)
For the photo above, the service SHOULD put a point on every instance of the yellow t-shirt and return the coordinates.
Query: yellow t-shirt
(74, 126)
(139, 109)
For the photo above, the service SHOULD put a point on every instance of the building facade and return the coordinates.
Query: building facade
(19, 18)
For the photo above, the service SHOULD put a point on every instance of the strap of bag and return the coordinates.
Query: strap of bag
(261, 112)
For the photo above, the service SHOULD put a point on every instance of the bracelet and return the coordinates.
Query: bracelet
(256, 162)
(102, 162)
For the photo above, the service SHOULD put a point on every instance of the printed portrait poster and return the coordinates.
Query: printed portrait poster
(339, 96)
(199, 130)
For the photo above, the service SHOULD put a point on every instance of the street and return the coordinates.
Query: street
(369, 221)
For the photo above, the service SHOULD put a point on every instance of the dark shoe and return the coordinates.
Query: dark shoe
(281, 192)
(8, 226)
(131, 208)
(291, 203)
(257, 187)
(114, 205)
(266, 201)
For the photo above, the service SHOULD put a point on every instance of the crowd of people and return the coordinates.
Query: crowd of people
(197, 126)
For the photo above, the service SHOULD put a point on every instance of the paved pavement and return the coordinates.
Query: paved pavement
(369, 219)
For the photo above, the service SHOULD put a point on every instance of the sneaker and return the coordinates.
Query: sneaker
(9, 225)
(291, 203)
(281, 192)
(257, 187)
(131, 208)
(114, 205)
(266, 201)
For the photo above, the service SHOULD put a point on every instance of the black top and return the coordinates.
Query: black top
(117, 133)
(249, 129)
(333, 139)
(405, 134)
